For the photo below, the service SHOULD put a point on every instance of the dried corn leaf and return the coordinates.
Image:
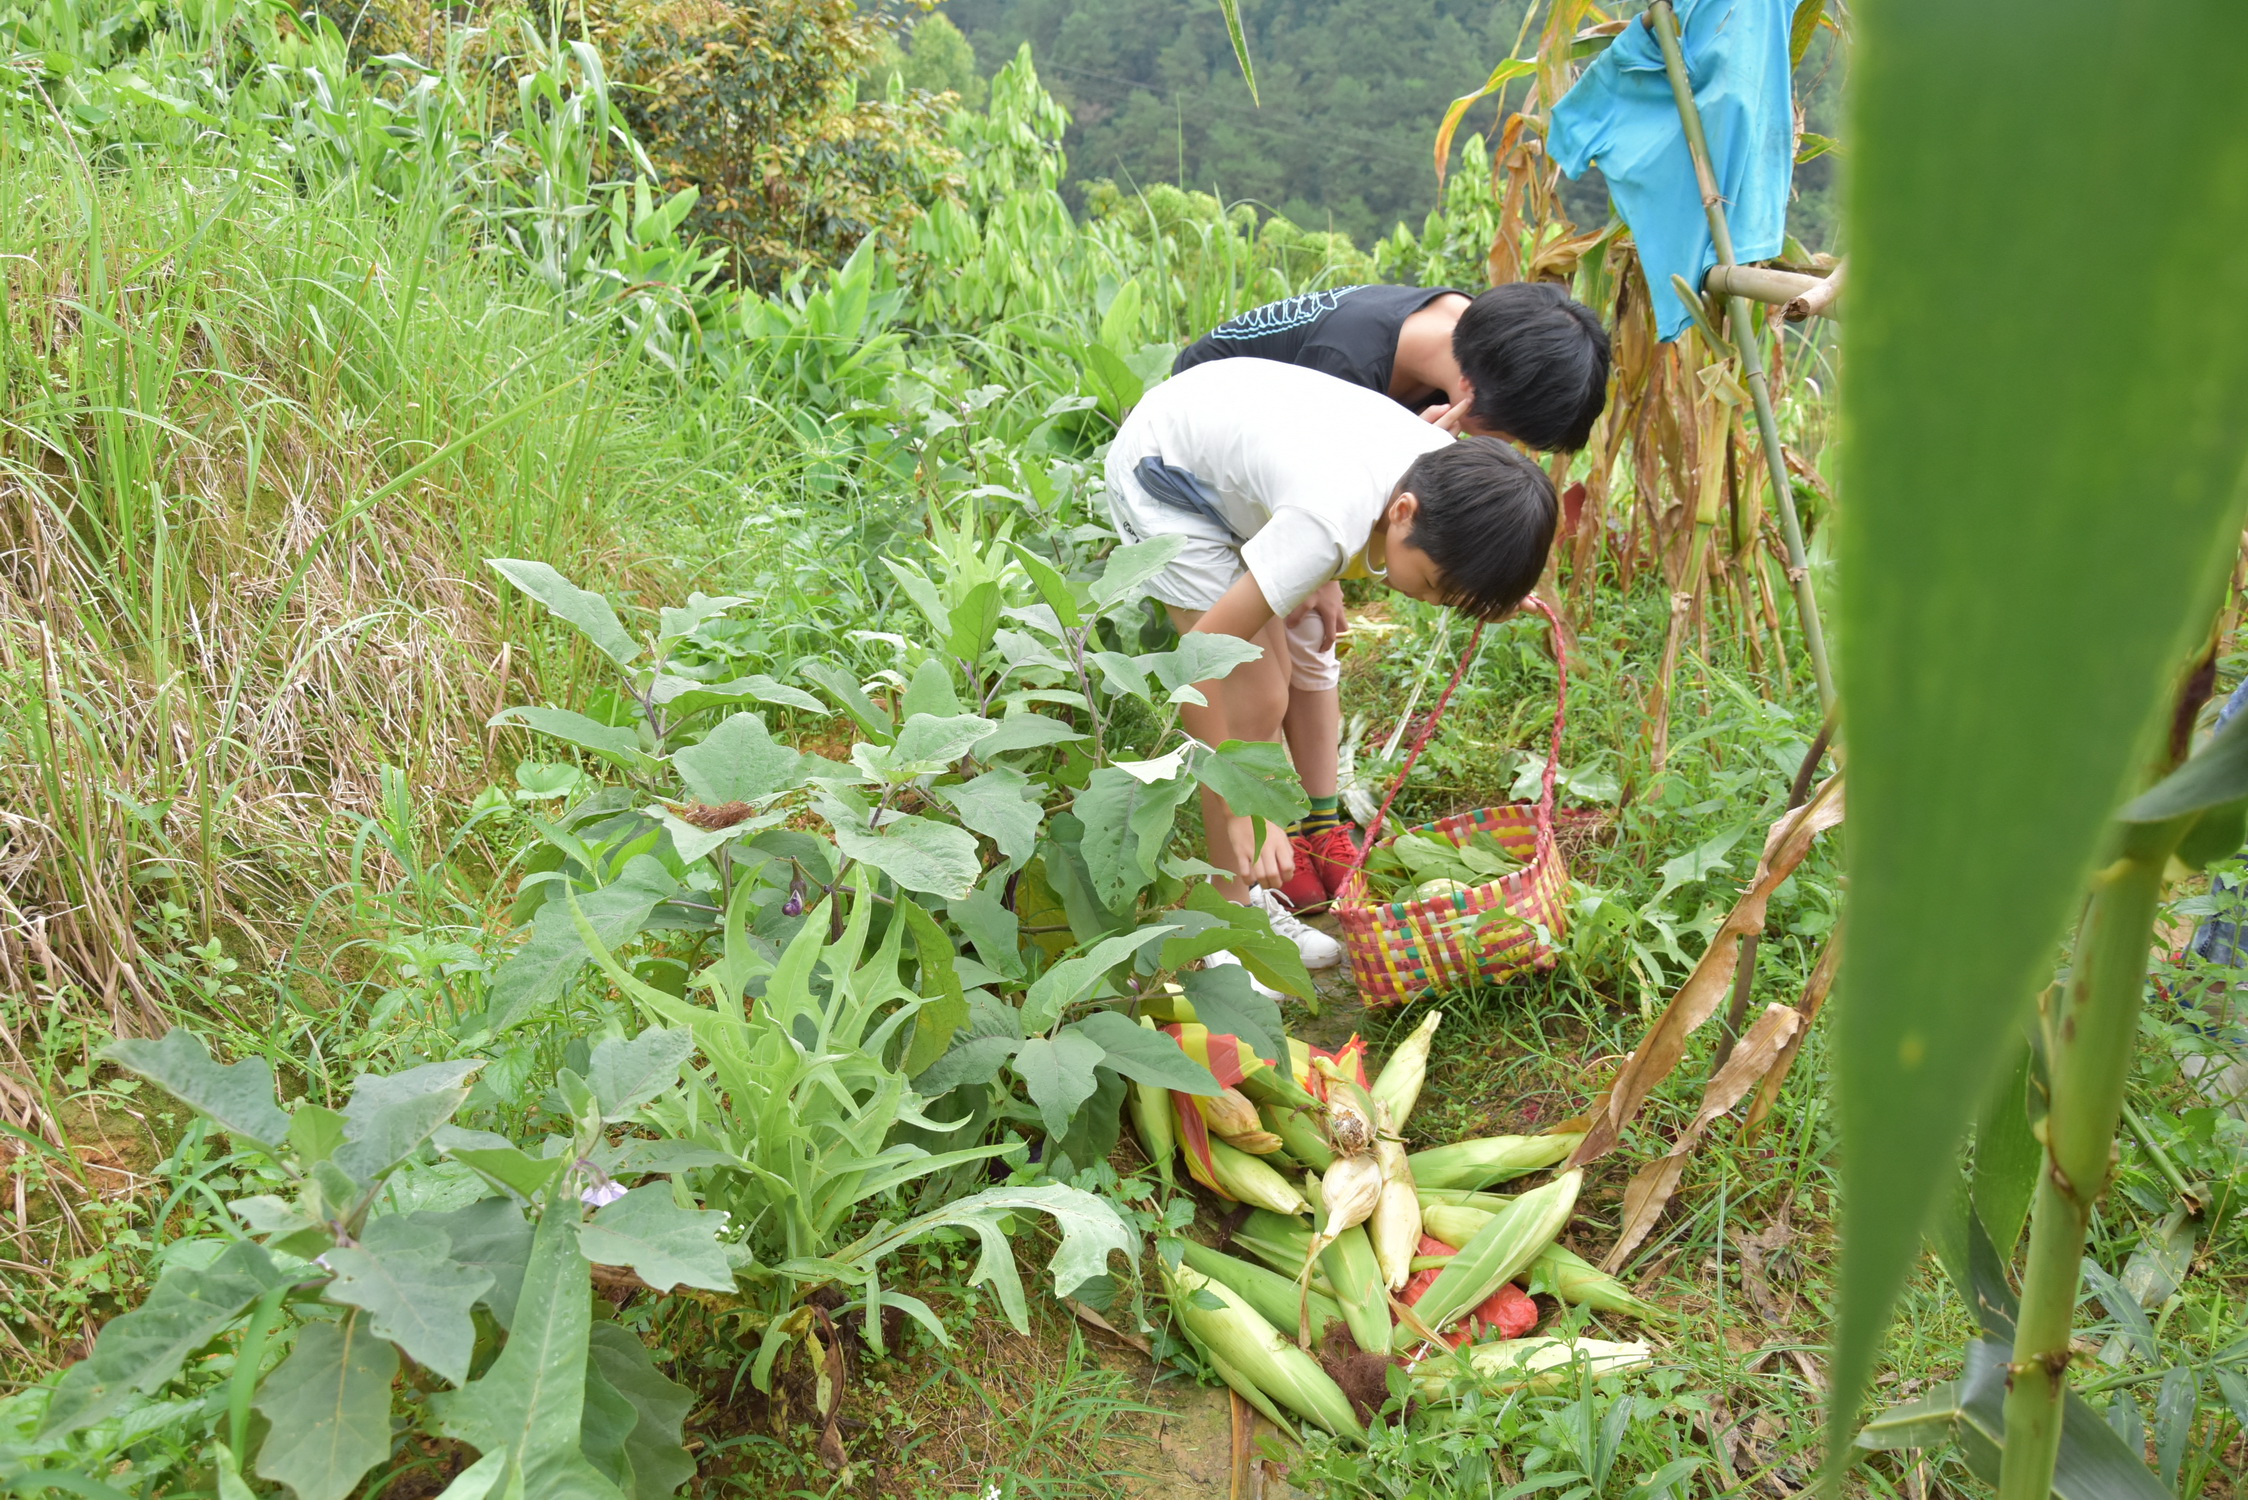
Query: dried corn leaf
(1698, 998)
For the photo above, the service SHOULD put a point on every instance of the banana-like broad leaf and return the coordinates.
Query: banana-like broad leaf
(2041, 487)
(329, 1403)
(238, 1097)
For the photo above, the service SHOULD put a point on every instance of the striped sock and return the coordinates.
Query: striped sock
(1325, 816)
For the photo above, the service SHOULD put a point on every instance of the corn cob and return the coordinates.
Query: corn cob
(1355, 1274)
(1490, 1203)
(1228, 1112)
(1502, 1249)
(1259, 1143)
(1395, 1226)
(1274, 1296)
(1399, 1086)
(1561, 1273)
(1348, 1192)
(1351, 1129)
(1298, 1129)
(1151, 1115)
(1480, 1163)
(1454, 1224)
(1255, 1351)
(1534, 1364)
(1249, 1179)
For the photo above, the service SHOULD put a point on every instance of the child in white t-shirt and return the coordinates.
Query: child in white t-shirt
(1284, 480)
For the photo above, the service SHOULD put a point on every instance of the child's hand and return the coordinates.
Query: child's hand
(1275, 864)
(1448, 416)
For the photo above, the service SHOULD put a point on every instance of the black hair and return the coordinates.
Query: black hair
(1486, 517)
(1538, 361)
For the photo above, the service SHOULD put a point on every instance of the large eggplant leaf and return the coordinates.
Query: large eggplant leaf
(668, 1245)
(403, 1275)
(329, 1404)
(238, 1096)
(588, 611)
(2041, 487)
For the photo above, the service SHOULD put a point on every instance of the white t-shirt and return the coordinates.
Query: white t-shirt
(1302, 463)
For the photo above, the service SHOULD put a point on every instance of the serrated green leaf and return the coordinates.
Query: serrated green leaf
(536, 975)
(665, 1244)
(141, 1349)
(531, 1402)
(627, 1073)
(589, 612)
(920, 854)
(1144, 1056)
(738, 762)
(239, 1097)
(1058, 1075)
(1995, 722)
(329, 1403)
(659, 1463)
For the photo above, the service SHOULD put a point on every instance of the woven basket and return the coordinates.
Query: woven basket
(1402, 950)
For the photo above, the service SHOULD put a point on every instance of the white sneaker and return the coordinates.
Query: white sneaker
(1319, 951)
(1213, 960)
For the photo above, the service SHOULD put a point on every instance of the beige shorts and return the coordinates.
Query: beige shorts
(1204, 569)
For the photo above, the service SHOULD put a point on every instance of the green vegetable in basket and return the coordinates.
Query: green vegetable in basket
(1416, 866)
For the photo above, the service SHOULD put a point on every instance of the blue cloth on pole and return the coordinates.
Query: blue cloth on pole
(1622, 116)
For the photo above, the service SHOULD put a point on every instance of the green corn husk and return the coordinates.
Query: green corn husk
(1246, 1388)
(1399, 1086)
(1254, 1350)
(1562, 1273)
(1492, 1159)
(1277, 1088)
(1355, 1273)
(1151, 1116)
(1490, 1203)
(1273, 1295)
(1395, 1224)
(1277, 1240)
(1500, 1251)
(1251, 1179)
(1299, 1131)
(1539, 1364)
(1455, 1224)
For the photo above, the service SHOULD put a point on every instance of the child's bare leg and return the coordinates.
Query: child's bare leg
(1314, 723)
(1249, 703)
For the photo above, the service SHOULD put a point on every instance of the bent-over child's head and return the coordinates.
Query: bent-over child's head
(1469, 526)
(1538, 363)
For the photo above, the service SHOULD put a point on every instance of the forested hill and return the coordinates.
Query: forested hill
(1351, 91)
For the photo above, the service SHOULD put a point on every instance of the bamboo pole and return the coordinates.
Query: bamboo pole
(1749, 344)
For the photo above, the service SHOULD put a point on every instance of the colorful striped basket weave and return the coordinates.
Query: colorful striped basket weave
(1402, 950)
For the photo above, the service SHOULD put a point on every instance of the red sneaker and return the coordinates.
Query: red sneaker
(1307, 887)
(1334, 854)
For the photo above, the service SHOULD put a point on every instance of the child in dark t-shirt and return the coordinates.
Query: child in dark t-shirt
(1522, 361)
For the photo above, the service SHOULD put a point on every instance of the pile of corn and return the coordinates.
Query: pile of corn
(1407, 1252)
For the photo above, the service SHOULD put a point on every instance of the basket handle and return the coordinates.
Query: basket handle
(1428, 726)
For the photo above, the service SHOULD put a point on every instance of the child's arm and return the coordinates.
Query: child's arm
(1241, 611)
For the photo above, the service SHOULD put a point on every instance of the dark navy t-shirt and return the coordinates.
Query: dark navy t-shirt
(1349, 332)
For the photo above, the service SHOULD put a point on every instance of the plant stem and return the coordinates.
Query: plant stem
(2089, 1043)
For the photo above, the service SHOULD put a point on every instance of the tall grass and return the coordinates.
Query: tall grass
(257, 443)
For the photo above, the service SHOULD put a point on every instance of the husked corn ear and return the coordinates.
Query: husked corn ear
(1151, 1116)
(1228, 1112)
(1354, 1274)
(1454, 1224)
(1395, 1226)
(1298, 1129)
(1563, 1273)
(1234, 1332)
(1399, 1086)
(1490, 1159)
(1252, 1180)
(1349, 1190)
(1534, 1364)
(1276, 1297)
(1351, 1126)
(1500, 1250)
(1490, 1203)
(1256, 1142)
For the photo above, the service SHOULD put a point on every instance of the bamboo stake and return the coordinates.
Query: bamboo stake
(1749, 342)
